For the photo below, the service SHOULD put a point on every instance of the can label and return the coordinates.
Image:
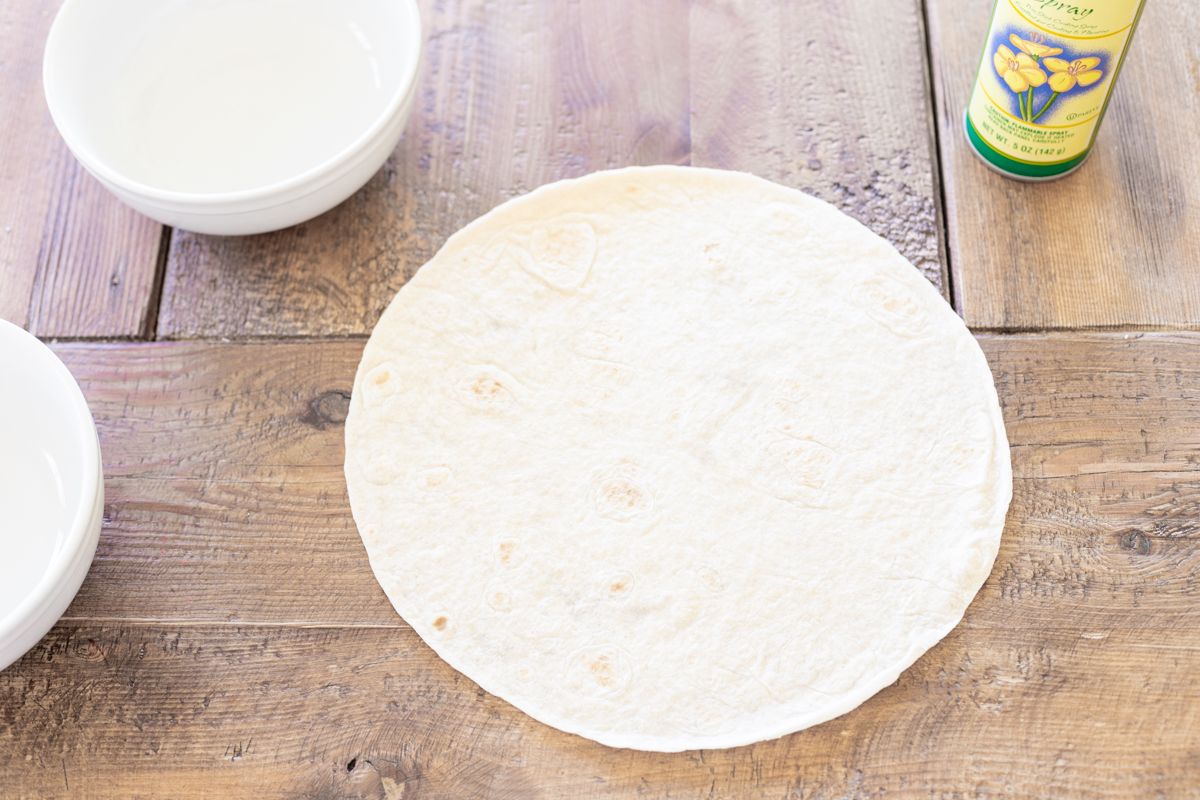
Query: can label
(1047, 71)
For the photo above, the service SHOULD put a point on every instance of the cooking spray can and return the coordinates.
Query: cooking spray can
(1044, 81)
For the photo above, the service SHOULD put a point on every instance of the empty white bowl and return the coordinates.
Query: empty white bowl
(51, 490)
(232, 116)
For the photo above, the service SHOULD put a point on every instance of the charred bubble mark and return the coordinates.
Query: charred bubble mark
(327, 409)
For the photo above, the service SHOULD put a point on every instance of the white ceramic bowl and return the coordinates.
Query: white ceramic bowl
(51, 490)
(232, 116)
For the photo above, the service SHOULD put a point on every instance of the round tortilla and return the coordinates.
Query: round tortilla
(676, 458)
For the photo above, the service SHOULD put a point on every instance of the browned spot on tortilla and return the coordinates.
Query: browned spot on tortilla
(486, 388)
(618, 586)
(712, 579)
(433, 478)
(506, 551)
(708, 248)
(440, 623)
(381, 377)
(602, 671)
(623, 493)
(621, 497)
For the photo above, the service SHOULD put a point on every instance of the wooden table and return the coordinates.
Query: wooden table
(231, 640)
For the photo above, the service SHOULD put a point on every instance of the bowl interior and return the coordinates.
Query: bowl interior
(224, 96)
(48, 457)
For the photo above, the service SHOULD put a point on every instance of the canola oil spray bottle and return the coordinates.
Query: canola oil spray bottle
(1046, 76)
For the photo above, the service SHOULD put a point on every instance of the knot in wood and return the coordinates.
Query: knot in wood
(327, 408)
(1135, 542)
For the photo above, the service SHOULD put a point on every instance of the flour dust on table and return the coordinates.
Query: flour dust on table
(676, 458)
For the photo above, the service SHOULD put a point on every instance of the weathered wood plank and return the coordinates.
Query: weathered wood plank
(1103, 532)
(833, 102)
(1115, 244)
(510, 99)
(264, 712)
(226, 500)
(224, 491)
(1071, 675)
(73, 260)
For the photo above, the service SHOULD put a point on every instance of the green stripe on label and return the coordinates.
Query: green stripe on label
(1014, 167)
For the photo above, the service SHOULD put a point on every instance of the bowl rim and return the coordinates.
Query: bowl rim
(414, 39)
(80, 532)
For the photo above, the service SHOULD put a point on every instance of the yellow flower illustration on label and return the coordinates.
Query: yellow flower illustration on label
(1034, 46)
(1064, 75)
(1019, 71)
(1023, 71)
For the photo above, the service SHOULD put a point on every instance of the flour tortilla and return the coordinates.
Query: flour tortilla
(676, 458)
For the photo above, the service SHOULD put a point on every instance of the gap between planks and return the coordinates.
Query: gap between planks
(170, 622)
(259, 339)
(935, 162)
(149, 330)
(215, 340)
(1051, 332)
(401, 625)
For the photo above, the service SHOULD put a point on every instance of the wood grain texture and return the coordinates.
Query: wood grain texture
(125, 711)
(1115, 244)
(225, 498)
(829, 99)
(73, 260)
(510, 98)
(1070, 677)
